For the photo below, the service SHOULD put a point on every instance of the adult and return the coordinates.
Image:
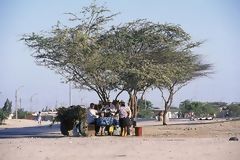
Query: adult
(92, 116)
(124, 120)
(39, 118)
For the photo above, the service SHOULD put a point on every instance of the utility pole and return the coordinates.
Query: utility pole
(16, 101)
(16, 108)
(31, 100)
(56, 104)
(20, 103)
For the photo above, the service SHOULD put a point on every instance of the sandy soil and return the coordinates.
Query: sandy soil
(213, 129)
(191, 141)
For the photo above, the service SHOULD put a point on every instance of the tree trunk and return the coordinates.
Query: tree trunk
(167, 106)
(133, 104)
(164, 117)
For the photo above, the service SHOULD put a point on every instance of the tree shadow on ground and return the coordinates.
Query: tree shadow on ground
(41, 131)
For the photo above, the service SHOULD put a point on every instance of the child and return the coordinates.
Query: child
(111, 128)
(101, 123)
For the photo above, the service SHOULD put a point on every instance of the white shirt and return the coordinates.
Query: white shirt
(92, 114)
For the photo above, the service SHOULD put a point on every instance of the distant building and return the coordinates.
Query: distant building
(46, 116)
(158, 112)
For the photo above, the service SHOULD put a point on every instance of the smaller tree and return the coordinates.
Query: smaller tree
(145, 107)
(176, 71)
(199, 108)
(7, 108)
(2, 116)
(22, 114)
(234, 109)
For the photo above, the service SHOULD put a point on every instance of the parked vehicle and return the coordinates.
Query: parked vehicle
(206, 118)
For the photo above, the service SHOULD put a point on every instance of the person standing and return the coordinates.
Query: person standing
(39, 118)
(130, 120)
(124, 118)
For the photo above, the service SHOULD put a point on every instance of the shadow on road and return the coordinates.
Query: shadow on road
(35, 131)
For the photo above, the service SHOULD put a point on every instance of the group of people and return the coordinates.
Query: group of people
(107, 118)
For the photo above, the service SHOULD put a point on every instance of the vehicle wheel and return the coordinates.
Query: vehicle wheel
(63, 129)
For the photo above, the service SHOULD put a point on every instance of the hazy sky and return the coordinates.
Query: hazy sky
(216, 21)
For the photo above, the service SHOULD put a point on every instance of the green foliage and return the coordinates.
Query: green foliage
(5, 111)
(7, 108)
(234, 109)
(3, 116)
(145, 107)
(131, 57)
(22, 114)
(199, 108)
(74, 52)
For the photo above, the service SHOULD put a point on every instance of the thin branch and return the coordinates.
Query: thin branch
(162, 94)
(118, 94)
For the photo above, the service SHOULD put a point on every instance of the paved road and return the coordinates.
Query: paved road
(34, 131)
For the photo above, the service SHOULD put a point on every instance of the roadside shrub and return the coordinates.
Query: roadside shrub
(22, 114)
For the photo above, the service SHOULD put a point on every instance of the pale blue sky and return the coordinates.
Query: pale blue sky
(216, 21)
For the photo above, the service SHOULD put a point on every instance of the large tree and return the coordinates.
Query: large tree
(130, 57)
(137, 42)
(75, 53)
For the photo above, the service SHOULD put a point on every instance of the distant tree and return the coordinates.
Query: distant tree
(145, 108)
(218, 104)
(199, 108)
(22, 114)
(7, 108)
(234, 109)
(3, 116)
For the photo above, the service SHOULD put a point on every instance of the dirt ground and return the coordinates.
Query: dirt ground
(175, 141)
(214, 129)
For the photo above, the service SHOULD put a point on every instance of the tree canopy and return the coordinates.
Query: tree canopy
(130, 57)
(7, 108)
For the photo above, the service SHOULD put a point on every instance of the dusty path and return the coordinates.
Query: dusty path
(130, 148)
(208, 141)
